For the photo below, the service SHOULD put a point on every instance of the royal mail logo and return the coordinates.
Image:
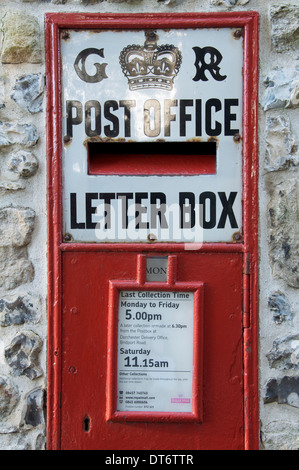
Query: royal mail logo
(150, 65)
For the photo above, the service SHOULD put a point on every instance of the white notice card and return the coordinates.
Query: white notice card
(155, 351)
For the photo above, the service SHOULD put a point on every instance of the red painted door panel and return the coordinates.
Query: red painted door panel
(84, 355)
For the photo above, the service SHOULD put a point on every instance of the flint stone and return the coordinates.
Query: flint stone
(40, 443)
(22, 355)
(21, 39)
(282, 89)
(122, 1)
(24, 134)
(56, 2)
(285, 353)
(25, 164)
(15, 267)
(229, 3)
(167, 2)
(19, 311)
(16, 441)
(90, 2)
(9, 397)
(28, 93)
(280, 307)
(283, 232)
(281, 150)
(2, 93)
(285, 27)
(10, 186)
(16, 226)
(280, 435)
(283, 391)
(33, 413)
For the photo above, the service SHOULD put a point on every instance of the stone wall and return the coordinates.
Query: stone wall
(23, 247)
(279, 213)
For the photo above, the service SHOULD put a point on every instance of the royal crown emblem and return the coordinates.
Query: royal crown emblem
(150, 66)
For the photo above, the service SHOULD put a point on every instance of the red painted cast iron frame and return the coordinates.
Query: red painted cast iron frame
(248, 245)
(171, 285)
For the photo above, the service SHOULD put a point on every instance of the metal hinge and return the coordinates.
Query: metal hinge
(246, 291)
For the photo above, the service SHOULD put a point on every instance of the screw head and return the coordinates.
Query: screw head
(237, 236)
(237, 138)
(67, 237)
(65, 35)
(151, 237)
(238, 33)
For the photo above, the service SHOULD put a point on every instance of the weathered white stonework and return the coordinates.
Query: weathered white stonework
(28, 92)
(229, 3)
(15, 267)
(2, 92)
(282, 88)
(282, 150)
(284, 354)
(23, 163)
(280, 307)
(283, 232)
(20, 310)
(34, 410)
(14, 133)
(285, 27)
(274, 435)
(9, 397)
(21, 38)
(16, 226)
(22, 355)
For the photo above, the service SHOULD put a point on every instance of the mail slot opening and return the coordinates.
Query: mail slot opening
(154, 158)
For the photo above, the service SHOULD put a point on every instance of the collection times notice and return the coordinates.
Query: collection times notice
(155, 351)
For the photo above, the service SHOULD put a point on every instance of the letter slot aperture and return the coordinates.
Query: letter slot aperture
(155, 158)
